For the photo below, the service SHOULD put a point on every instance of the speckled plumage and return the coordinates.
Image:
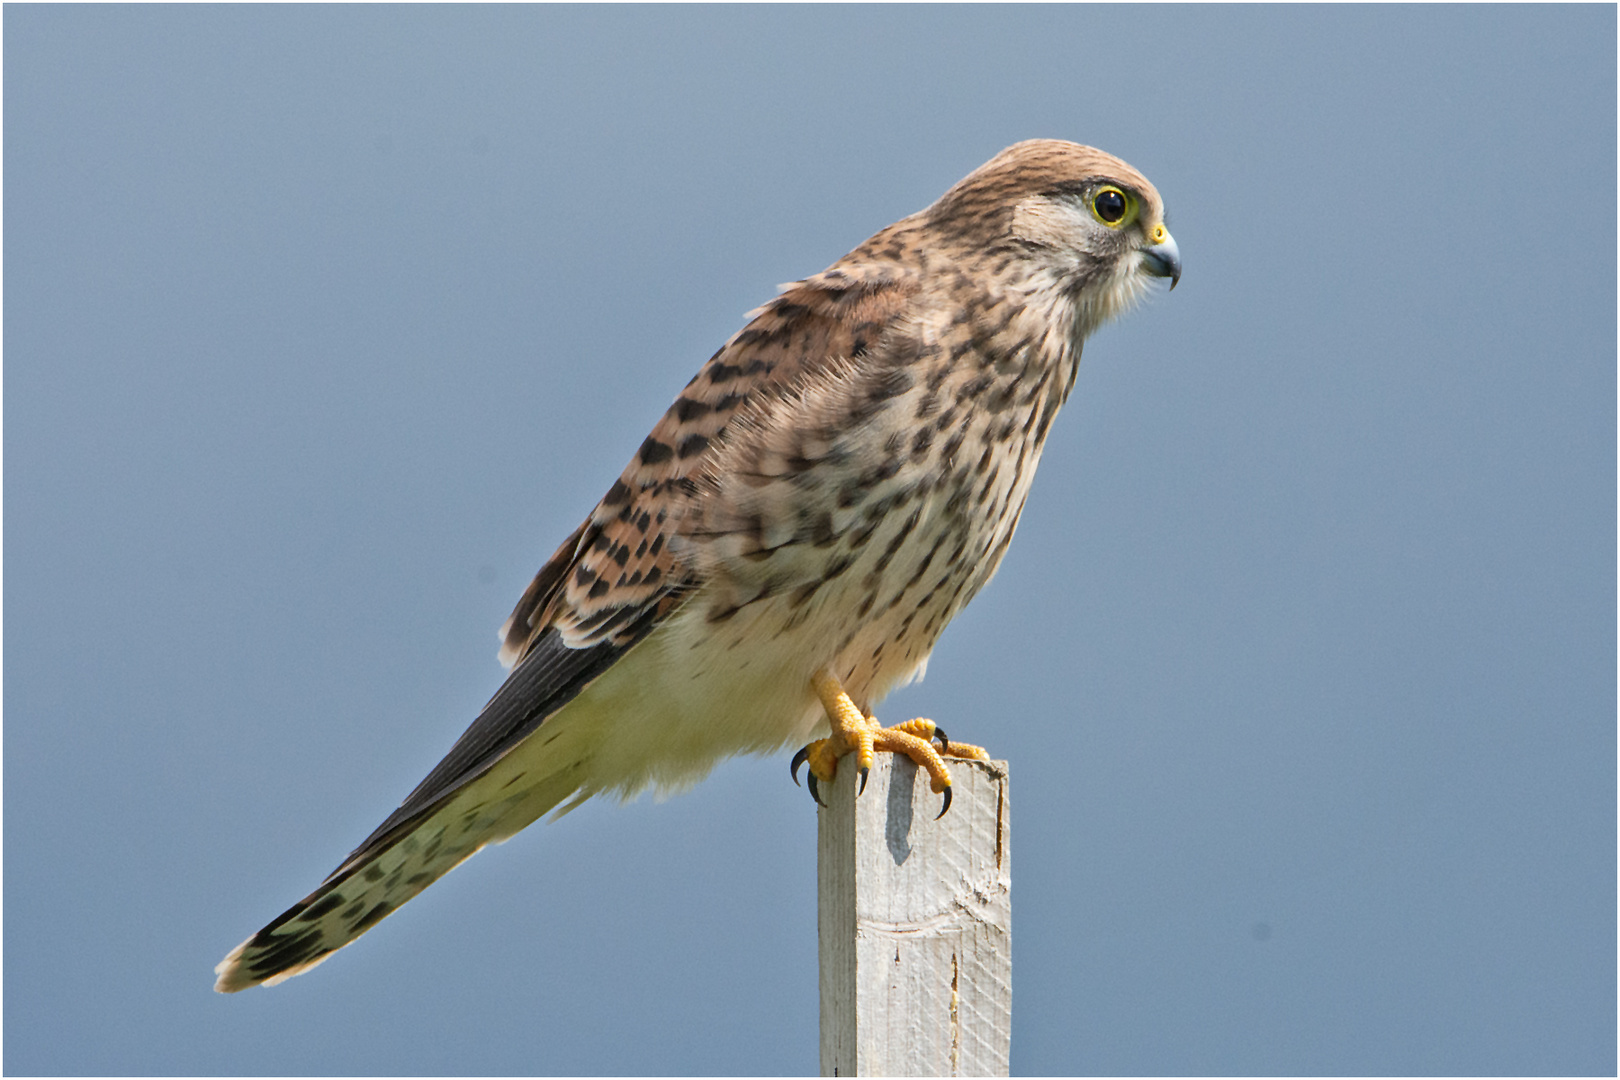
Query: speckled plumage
(837, 482)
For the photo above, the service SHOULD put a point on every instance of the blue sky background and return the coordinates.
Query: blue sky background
(324, 325)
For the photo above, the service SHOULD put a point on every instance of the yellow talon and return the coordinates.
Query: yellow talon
(855, 732)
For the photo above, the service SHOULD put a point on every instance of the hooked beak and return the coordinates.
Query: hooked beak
(1163, 260)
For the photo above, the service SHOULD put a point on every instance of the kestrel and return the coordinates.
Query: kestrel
(785, 548)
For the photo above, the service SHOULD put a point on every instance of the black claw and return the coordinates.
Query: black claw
(798, 759)
(810, 782)
(946, 807)
(944, 743)
(862, 789)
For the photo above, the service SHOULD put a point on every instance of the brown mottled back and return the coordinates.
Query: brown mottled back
(622, 559)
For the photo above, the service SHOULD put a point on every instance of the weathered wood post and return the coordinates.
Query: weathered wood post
(915, 919)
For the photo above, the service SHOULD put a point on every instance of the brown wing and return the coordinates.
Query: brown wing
(616, 577)
(621, 563)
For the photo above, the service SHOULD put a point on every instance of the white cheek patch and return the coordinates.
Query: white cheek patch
(1050, 222)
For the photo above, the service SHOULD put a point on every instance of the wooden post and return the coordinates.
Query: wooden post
(915, 919)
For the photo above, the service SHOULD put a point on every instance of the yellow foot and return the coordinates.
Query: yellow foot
(854, 732)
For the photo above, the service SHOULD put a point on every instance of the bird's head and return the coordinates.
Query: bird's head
(1058, 216)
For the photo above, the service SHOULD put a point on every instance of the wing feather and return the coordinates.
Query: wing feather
(628, 554)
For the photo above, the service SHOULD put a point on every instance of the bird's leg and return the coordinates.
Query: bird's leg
(854, 732)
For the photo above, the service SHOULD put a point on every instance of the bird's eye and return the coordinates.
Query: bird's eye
(1109, 204)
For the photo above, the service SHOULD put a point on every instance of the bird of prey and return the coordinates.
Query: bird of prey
(786, 546)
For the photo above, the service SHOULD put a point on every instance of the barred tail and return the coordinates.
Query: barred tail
(386, 872)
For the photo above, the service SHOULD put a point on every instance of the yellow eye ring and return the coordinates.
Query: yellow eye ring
(1111, 206)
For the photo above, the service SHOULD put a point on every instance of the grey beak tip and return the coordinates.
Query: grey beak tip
(1164, 260)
